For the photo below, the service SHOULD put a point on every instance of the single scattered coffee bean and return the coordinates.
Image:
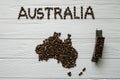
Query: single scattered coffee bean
(80, 73)
(69, 74)
(84, 69)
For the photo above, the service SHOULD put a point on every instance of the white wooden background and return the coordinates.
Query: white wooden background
(18, 39)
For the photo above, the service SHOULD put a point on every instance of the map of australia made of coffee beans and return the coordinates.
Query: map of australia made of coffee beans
(62, 51)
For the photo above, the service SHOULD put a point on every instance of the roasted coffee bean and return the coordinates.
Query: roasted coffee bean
(80, 73)
(69, 74)
(84, 69)
(62, 51)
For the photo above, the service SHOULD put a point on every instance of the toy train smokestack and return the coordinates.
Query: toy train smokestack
(98, 46)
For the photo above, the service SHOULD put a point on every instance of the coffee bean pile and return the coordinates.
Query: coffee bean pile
(62, 51)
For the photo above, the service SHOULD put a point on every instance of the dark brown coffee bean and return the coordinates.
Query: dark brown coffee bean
(69, 74)
(84, 69)
(80, 73)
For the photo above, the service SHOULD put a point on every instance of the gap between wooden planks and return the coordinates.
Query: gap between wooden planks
(42, 70)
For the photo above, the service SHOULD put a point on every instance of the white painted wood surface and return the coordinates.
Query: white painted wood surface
(18, 39)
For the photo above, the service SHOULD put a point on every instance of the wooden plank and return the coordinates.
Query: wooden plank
(45, 28)
(25, 48)
(101, 8)
(50, 79)
(31, 68)
(4, 2)
(59, 2)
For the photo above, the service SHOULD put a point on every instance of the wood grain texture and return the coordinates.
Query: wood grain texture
(25, 48)
(31, 68)
(45, 28)
(18, 39)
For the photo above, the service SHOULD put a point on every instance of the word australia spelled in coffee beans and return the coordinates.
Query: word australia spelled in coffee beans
(62, 51)
(56, 13)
